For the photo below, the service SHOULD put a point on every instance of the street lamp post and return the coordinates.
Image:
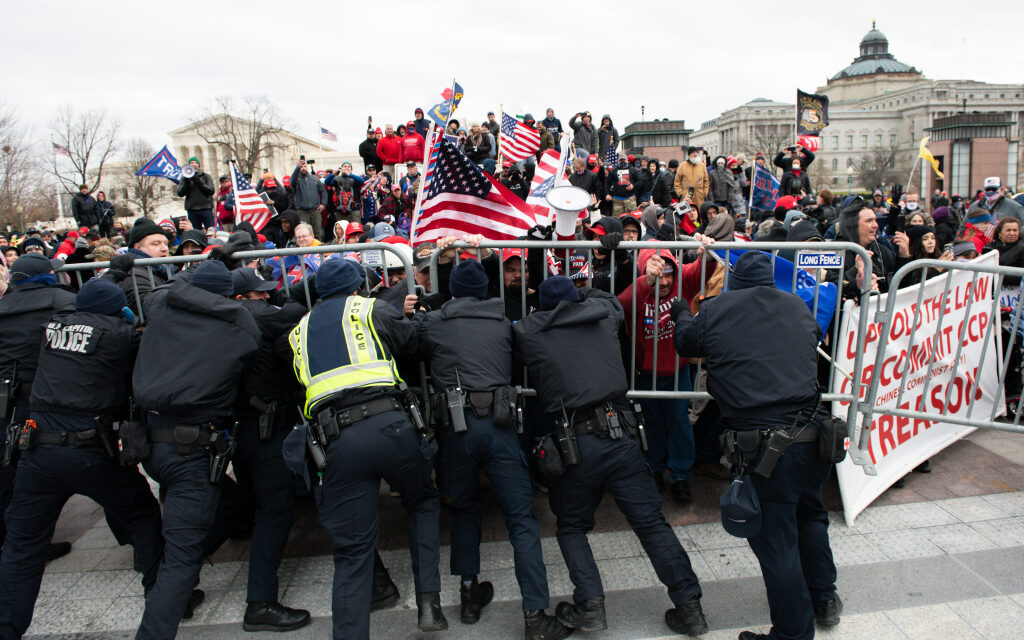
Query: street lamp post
(849, 178)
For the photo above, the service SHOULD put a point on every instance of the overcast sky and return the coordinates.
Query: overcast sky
(156, 64)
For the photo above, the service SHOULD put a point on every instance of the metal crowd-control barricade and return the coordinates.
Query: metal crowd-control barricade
(723, 250)
(928, 346)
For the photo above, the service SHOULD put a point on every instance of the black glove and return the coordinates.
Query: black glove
(121, 265)
(897, 191)
(679, 306)
(539, 232)
(611, 240)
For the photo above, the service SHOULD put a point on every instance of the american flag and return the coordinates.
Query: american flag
(544, 178)
(249, 206)
(287, 270)
(461, 199)
(368, 195)
(518, 141)
(610, 159)
(327, 134)
(60, 149)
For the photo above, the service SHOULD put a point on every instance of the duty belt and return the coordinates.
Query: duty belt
(332, 420)
(599, 423)
(87, 438)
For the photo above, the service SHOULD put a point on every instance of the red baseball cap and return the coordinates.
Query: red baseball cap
(506, 254)
(395, 240)
(83, 231)
(270, 183)
(353, 228)
(286, 181)
(787, 202)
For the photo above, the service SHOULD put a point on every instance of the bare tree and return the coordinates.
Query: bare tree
(769, 139)
(246, 132)
(878, 167)
(91, 140)
(143, 191)
(17, 167)
(820, 175)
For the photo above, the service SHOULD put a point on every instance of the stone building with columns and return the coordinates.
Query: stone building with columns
(880, 105)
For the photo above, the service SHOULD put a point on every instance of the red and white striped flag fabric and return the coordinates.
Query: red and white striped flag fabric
(461, 199)
(544, 178)
(249, 206)
(518, 141)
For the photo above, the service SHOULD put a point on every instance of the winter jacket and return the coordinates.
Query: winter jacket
(585, 137)
(554, 125)
(107, 213)
(692, 175)
(478, 148)
(309, 192)
(785, 162)
(646, 317)
(547, 141)
(1004, 208)
(760, 382)
(606, 138)
(794, 182)
(722, 181)
(368, 152)
(223, 213)
(588, 181)
(619, 179)
(572, 352)
(85, 210)
(661, 193)
(198, 191)
(412, 148)
(644, 183)
(389, 149)
(24, 310)
(175, 373)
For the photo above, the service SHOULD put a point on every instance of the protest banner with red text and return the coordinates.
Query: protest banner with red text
(919, 358)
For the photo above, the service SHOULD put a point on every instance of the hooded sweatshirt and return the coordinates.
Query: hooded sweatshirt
(649, 221)
(645, 294)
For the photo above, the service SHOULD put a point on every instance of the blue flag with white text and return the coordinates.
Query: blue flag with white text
(163, 165)
(764, 189)
(805, 286)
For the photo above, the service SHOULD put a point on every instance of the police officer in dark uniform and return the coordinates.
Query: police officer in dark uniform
(32, 298)
(81, 387)
(767, 385)
(343, 355)
(194, 349)
(266, 411)
(571, 350)
(469, 345)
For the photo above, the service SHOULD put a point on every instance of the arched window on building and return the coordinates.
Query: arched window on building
(835, 164)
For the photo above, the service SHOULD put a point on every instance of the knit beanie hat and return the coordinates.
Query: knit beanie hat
(100, 296)
(213, 276)
(194, 159)
(468, 279)
(338, 276)
(752, 269)
(143, 227)
(554, 290)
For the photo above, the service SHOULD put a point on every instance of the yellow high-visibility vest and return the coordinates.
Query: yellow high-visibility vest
(347, 359)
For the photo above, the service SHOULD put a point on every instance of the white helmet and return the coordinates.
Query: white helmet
(391, 260)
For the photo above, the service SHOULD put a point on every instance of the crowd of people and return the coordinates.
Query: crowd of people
(274, 330)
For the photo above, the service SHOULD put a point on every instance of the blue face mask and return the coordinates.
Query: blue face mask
(49, 279)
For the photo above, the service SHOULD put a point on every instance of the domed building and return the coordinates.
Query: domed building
(880, 109)
(873, 72)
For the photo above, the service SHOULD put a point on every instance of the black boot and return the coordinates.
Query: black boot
(385, 592)
(826, 613)
(57, 550)
(681, 492)
(474, 598)
(541, 626)
(273, 616)
(585, 616)
(750, 635)
(194, 600)
(431, 618)
(687, 618)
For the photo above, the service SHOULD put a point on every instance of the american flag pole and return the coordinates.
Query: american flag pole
(427, 148)
(497, 167)
(451, 108)
(320, 143)
(234, 189)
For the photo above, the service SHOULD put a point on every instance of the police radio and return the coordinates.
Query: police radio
(457, 406)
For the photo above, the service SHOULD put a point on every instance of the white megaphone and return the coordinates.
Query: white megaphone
(567, 201)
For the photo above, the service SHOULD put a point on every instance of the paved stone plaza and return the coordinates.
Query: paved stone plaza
(941, 558)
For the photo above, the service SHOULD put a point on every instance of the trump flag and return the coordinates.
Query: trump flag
(163, 165)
